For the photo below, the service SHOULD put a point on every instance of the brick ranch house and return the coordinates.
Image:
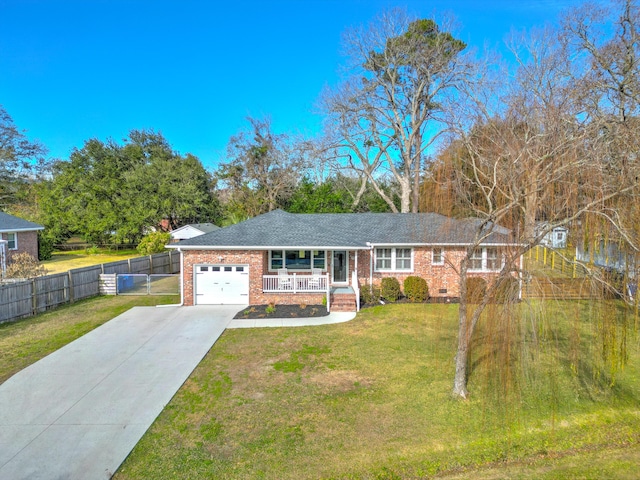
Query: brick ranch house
(285, 258)
(17, 236)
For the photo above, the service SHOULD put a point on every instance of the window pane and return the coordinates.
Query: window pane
(11, 237)
(403, 264)
(437, 256)
(476, 260)
(493, 263)
(276, 259)
(383, 259)
(383, 264)
(298, 259)
(403, 259)
(318, 259)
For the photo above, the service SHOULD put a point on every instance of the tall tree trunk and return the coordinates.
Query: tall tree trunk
(405, 194)
(462, 354)
(416, 186)
(531, 206)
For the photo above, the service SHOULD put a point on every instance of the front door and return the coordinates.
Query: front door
(340, 266)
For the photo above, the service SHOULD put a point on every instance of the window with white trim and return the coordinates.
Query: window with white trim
(297, 259)
(383, 259)
(403, 259)
(13, 241)
(393, 259)
(485, 259)
(437, 256)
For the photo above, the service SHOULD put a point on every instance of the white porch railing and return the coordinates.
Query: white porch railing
(295, 283)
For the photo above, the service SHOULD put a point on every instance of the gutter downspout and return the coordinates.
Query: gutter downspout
(181, 283)
(370, 245)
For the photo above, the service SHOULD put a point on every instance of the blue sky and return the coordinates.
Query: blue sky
(71, 70)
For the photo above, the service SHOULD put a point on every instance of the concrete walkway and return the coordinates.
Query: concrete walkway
(77, 413)
(338, 317)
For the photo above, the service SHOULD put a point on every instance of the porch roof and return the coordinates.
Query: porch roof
(344, 231)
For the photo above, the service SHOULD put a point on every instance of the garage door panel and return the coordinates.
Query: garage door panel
(222, 284)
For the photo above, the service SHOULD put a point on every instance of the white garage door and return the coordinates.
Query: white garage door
(222, 284)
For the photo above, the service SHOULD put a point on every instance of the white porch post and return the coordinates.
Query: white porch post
(355, 266)
(328, 293)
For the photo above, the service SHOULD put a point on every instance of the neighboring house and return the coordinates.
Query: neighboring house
(556, 238)
(189, 231)
(21, 236)
(285, 258)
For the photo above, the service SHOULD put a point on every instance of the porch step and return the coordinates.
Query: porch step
(343, 302)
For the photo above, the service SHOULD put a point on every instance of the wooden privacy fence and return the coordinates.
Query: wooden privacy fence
(19, 299)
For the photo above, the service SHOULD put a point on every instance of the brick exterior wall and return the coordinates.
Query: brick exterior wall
(258, 266)
(439, 277)
(27, 243)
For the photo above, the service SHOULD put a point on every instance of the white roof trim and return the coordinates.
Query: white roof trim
(303, 247)
(274, 247)
(13, 230)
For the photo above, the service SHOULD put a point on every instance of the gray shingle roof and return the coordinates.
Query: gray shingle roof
(349, 230)
(9, 223)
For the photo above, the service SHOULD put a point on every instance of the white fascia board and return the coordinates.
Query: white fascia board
(13, 230)
(439, 244)
(262, 247)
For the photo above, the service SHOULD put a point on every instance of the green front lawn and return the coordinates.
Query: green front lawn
(371, 399)
(26, 341)
(65, 261)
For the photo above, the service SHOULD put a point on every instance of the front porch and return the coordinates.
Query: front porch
(295, 283)
(339, 298)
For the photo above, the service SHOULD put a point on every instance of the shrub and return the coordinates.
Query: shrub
(24, 265)
(153, 243)
(370, 294)
(476, 289)
(390, 289)
(269, 309)
(416, 289)
(45, 247)
(507, 290)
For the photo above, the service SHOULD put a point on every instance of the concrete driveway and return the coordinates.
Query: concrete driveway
(77, 413)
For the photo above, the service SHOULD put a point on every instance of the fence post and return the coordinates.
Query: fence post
(70, 287)
(34, 300)
(129, 263)
(150, 264)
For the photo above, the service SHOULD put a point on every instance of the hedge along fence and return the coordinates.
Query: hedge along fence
(19, 299)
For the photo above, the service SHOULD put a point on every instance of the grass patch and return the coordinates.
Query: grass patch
(26, 341)
(65, 261)
(371, 399)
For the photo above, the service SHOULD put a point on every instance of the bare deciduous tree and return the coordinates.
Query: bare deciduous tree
(389, 111)
(263, 170)
(537, 156)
